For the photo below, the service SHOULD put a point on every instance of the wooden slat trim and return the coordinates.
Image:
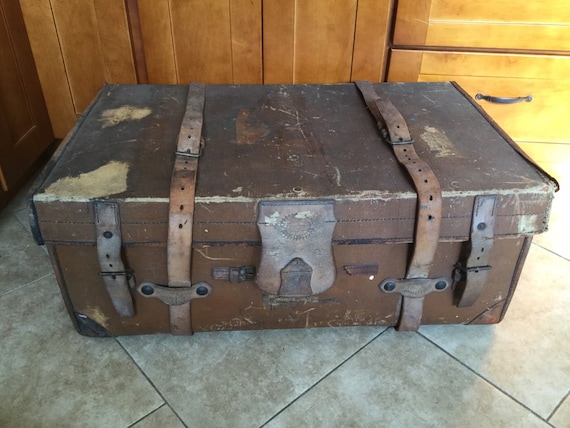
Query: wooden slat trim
(370, 39)
(278, 41)
(137, 46)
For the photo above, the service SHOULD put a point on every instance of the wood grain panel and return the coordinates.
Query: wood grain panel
(156, 29)
(498, 36)
(246, 33)
(324, 37)
(405, 66)
(113, 32)
(278, 40)
(76, 25)
(547, 154)
(370, 40)
(542, 67)
(202, 41)
(134, 26)
(44, 41)
(309, 41)
(502, 24)
(529, 11)
(411, 23)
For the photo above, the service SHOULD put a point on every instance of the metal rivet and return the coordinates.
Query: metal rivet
(481, 226)
(147, 290)
(440, 285)
(390, 286)
(202, 291)
(108, 234)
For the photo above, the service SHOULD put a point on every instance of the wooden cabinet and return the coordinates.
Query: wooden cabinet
(25, 131)
(506, 49)
(80, 44)
(206, 41)
(545, 78)
(324, 41)
(500, 24)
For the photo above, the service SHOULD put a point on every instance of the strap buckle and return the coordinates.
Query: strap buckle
(463, 269)
(189, 154)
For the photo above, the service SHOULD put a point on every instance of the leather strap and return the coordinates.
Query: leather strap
(181, 207)
(113, 272)
(481, 242)
(429, 205)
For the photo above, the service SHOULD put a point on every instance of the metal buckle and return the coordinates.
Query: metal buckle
(401, 143)
(128, 273)
(193, 155)
(459, 267)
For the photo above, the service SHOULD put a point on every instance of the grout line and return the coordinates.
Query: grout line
(324, 377)
(147, 415)
(498, 388)
(26, 284)
(550, 251)
(151, 382)
(558, 406)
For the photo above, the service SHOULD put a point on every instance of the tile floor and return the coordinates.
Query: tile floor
(515, 374)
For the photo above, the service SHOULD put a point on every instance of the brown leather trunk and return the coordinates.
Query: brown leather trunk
(270, 152)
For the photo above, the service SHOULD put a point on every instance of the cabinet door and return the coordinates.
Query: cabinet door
(78, 45)
(497, 24)
(545, 78)
(324, 41)
(207, 41)
(25, 130)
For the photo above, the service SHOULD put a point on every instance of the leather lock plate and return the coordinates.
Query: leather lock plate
(296, 255)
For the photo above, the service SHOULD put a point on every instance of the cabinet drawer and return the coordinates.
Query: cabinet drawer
(500, 24)
(543, 119)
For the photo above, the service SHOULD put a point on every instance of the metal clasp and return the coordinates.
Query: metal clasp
(175, 296)
(234, 274)
(189, 154)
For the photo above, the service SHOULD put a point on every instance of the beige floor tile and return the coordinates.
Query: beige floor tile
(402, 380)
(21, 260)
(241, 379)
(561, 419)
(51, 376)
(160, 418)
(528, 354)
(557, 239)
(19, 202)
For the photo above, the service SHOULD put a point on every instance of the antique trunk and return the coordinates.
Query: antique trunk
(198, 208)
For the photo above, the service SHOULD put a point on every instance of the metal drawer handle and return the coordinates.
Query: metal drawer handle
(503, 100)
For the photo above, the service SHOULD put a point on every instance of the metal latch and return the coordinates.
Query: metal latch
(175, 296)
(234, 274)
(414, 287)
